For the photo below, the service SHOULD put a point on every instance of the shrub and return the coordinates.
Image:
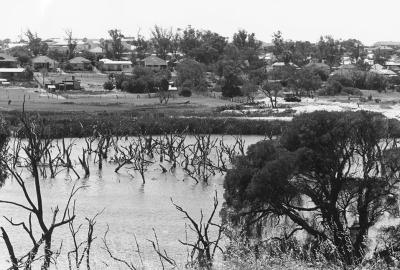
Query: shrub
(375, 81)
(333, 87)
(343, 78)
(185, 92)
(351, 91)
(108, 85)
(125, 86)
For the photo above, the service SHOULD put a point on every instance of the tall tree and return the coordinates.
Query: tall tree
(116, 43)
(329, 50)
(71, 44)
(162, 39)
(35, 44)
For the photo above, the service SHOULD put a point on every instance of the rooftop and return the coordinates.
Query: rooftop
(153, 60)
(43, 59)
(7, 58)
(79, 60)
(114, 62)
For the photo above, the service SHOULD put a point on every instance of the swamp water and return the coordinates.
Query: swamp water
(130, 209)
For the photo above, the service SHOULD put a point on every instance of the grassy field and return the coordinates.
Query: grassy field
(11, 99)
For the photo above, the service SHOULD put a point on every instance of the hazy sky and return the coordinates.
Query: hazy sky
(366, 20)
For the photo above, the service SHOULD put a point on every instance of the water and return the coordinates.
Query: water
(130, 208)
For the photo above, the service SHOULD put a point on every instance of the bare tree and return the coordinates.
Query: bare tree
(35, 149)
(203, 249)
(71, 44)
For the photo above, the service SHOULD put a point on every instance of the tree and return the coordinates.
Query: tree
(249, 90)
(280, 49)
(22, 53)
(271, 90)
(190, 40)
(162, 40)
(35, 44)
(142, 46)
(231, 81)
(332, 175)
(355, 49)
(329, 50)
(4, 137)
(307, 81)
(71, 44)
(116, 43)
(190, 71)
(38, 145)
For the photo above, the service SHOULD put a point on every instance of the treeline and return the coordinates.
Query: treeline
(239, 66)
(125, 124)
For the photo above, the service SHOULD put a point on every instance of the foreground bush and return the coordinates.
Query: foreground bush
(108, 85)
(305, 177)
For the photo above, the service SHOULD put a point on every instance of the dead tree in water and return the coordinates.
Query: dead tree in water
(140, 162)
(84, 161)
(130, 265)
(35, 149)
(81, 249)
(203, 249)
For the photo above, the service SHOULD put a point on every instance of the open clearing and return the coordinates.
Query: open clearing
(38, 100)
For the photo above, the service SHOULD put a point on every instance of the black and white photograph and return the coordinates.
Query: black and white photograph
(199, 135)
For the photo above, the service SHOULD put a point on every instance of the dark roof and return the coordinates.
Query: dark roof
(7, 58)
(154, 61)
(43, 59)
(79, 60)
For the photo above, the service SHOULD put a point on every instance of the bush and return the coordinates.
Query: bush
(375, 81)
(185, 92)
(333, 87)
(108, 85)
(343, 79)
(351, 91)
(125, 86)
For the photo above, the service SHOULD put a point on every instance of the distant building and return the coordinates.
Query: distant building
(111, 65)
(80, 64)
(44, 61)
(154, 62)
(393, 44)
(9, 67)
(393, 66)
(8, 61)
(279, 65)
(97, 51)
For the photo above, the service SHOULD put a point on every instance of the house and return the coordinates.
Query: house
(279, 65)
(107, 65)
(57, 44)
(154, 62)
(80, 63)
(7, 61)
(44, 62)
(9, 68)
(384, 72)
(393, 66)
(98, 51)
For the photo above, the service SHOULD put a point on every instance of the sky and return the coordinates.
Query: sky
(366, 20)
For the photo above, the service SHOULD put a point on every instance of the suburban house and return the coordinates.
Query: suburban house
(98, 51)
(113, 65)
(280, 65)
(9, 67)
(57, 44)
(381, 70)
(154, 62)
(44, 62)
(7, 61)
(80, 63)
(393, 66)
